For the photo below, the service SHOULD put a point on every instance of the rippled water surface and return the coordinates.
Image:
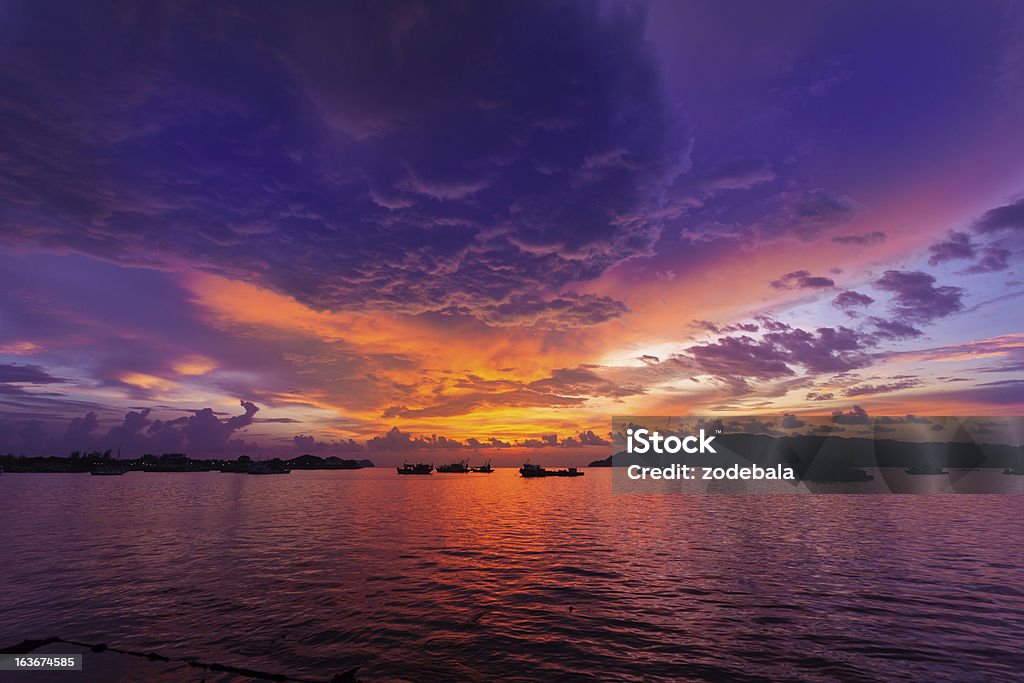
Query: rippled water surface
(481, 577)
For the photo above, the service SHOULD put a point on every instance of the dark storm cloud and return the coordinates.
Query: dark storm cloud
(957, 246)
(1008, 217)
(849, 301)
(801, 215)
(566, 311)
(351, 155)
(26, 374)
(805, 215)
(874, 237)
(802, 279)
(917, 299)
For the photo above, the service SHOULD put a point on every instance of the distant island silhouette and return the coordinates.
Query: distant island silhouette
(170, 462)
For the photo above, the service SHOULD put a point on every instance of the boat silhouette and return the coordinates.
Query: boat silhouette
(483, 469)
(460, 467)
(109, 468)
(418, 468)
(108, 471)
(1017, 469)
(531, 471)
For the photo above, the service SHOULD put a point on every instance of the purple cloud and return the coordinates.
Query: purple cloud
(828, 349)
(854, 416)
(464, 159)
(27, 374)
(722, 329)
(957, 246)
(589, 438)
(201, 433)
(893, 330)
(565, 311)
(737, 359)
(1002, 393)
(897, 384)
(1007, 217)
(916, 296)
(790, 421)
(734, 360)
(802, 279)
(737, 175)
(993, 259)
(805, 215)
(850, 300)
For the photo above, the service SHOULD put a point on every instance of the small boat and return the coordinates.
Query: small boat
(418, 468)
(483, 469)
(268, 468)
(529, 471)
(460, 467)
(1017, 469)
(108, 471)
(925, 469)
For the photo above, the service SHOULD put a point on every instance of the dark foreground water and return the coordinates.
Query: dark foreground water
(486, 577)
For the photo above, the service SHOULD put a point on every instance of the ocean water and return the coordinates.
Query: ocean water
(486, 577)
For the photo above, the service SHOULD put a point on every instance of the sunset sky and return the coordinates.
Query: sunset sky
(281, 228)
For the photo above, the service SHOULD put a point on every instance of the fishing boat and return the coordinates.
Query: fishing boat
(925, 469)
(460, 467)
(483, 469)
(108, 471)
(530, 471)
(418, 468)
